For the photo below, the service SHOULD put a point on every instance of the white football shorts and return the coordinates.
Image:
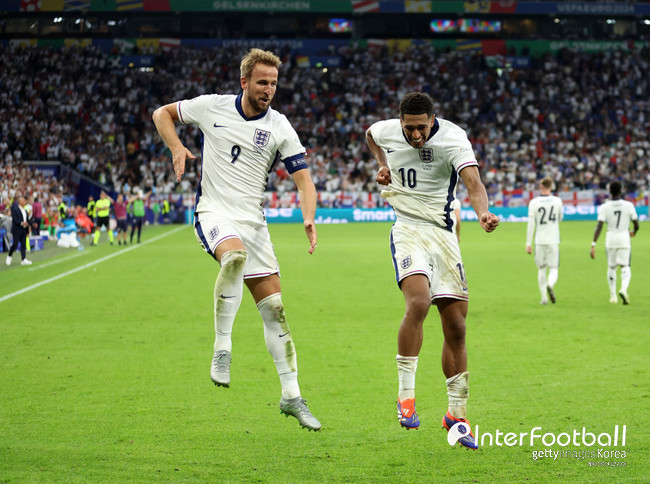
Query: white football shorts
(212, 229)
(619, 257)
(547, 255)
(432, 251)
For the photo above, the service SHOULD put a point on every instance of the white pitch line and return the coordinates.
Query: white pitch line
(85, 266)
(62, 259)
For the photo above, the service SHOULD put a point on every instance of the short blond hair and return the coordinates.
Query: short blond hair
(547, 183)
(257, 56)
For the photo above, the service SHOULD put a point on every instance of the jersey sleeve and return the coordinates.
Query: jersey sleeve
(190, 110)
(377, 131)
(602, 216)
(292, 152)
(461, 152)
(633, 214)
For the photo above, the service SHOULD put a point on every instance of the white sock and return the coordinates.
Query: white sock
(227, 297)
(552, 276)
(406, 368)
(611, 280)
(626, 275)
(541, 281)
(458, 391)
(280, 344)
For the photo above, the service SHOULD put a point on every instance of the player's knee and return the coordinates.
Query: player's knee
(234, 259)
(417, 307)
(272, 308)
(455, 332)
(232, 264)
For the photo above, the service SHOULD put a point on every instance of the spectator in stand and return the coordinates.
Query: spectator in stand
(62, 208)
(67, 232)
(51, 222)
(37, 216)
(19, 230)
(5, 223)
(83, 222)
(554, 118)
(119, 209)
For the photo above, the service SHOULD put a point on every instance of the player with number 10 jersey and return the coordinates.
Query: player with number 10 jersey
(430, 177)
(420, 159)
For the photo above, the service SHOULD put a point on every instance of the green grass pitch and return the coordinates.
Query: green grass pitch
(104, 364)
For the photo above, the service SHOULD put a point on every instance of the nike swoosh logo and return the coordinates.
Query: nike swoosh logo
(285, 334)
(219, 125)
(389, 151)
(226, 297)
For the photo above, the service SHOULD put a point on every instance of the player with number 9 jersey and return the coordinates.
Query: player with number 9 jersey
(239, 153)
(242, 139)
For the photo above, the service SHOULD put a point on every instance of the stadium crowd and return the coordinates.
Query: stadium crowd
(581, 118)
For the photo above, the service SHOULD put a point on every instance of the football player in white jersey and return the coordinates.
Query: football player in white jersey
(420, 158)
(544, 217)
(618, 214)
(243, 139)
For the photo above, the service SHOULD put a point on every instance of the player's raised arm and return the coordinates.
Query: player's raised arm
(164, 118)
(307, 193)
(383, 174)
(478, 198)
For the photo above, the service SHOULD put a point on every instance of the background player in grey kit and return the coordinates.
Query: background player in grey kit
(617, 214)
(243, 138)
(544, 217)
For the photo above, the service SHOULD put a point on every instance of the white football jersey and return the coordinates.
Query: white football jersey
(617, 214)
(238, 153)
(544, 217)
(428, 174)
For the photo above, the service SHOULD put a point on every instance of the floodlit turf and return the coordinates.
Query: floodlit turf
(104, 372)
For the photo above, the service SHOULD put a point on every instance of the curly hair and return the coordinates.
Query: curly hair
(416, 103)
(615, 188)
